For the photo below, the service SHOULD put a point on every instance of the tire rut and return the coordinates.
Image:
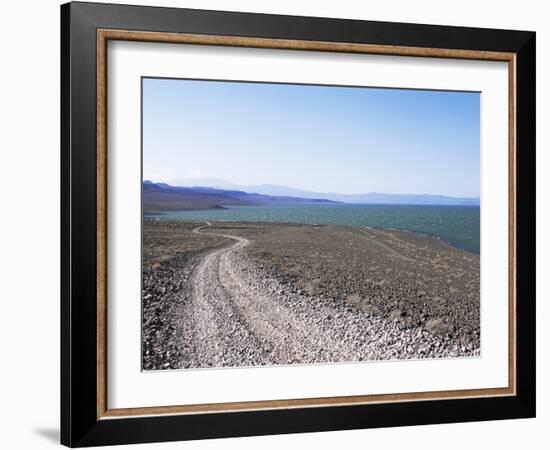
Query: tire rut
(237, 316)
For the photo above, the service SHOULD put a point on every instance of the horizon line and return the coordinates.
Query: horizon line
(240, 186)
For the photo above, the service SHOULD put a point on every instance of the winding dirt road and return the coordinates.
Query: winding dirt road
(235, 316)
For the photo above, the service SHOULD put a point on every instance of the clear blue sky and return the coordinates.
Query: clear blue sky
(320, 138)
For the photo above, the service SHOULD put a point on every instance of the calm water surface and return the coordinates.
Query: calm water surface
(457, 225)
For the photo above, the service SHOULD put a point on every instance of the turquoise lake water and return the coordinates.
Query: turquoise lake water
(457, 225)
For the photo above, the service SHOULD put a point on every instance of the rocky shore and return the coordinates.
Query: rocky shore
(246, 294)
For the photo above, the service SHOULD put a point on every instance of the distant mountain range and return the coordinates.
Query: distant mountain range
(366, 198)
(161, 197)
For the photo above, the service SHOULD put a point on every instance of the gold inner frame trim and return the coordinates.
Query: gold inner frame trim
(103, 36)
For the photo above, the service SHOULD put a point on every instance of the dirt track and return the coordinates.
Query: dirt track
(229, 311)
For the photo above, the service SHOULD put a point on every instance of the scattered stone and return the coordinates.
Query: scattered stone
(235, 294)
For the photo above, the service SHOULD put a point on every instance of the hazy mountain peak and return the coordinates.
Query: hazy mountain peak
(361, 198)
(213, 182)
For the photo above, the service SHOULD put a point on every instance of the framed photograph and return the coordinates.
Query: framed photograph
(277, 224)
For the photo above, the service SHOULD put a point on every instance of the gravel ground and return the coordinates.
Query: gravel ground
(416, 280)
(235, 294)
(170, 253)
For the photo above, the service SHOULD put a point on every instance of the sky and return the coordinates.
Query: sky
(347, 140)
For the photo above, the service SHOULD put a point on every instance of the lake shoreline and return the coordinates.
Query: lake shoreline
(243, 213)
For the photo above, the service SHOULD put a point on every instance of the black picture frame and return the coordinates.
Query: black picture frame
(80, 425)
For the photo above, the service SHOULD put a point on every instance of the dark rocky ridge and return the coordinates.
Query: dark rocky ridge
(161, 197)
